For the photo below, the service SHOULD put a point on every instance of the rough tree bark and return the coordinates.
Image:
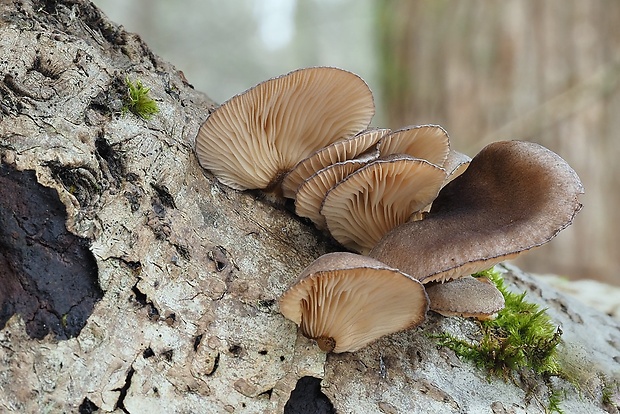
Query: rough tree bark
(131, 281)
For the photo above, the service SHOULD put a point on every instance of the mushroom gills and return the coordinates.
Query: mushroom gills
(373, 200)
(252, 140)
(361, 147)
(427, 142)
(344, 301)
(311, 193)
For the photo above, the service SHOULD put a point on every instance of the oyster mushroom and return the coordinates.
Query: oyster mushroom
(336, 152)
(514, 196)
(373, 200)
(311, 193)
(344, 301)
(252, 140)
(427, 142)
(467, 296)
(456, 163)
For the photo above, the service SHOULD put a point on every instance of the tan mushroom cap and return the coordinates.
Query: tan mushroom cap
(428, 142)
(345, 301)
(456, 163)
(336, 152)
(311, 193)
(373, 200)
(256, 137)
(514, 196)
(467, 296)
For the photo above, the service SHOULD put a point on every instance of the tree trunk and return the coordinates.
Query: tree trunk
(132, 281)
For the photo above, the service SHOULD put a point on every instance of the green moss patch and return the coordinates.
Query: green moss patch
(138, 101)
(521, 336)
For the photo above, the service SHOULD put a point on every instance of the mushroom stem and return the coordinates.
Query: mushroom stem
(327, 344)
(274, 187)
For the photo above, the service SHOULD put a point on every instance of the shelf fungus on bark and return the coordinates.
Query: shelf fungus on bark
(361, 147)
(344, 301)
(311, 193)
(255, 138)
(514, 196)
(373, 200)
(419, 210)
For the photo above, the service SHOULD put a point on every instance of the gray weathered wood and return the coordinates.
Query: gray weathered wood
(190, 270)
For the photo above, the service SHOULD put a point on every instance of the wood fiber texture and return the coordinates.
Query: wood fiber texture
(183, 274)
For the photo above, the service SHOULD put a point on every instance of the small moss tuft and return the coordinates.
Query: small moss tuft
(138, 101)
(609, 392)
(555, 399)
(521, 337)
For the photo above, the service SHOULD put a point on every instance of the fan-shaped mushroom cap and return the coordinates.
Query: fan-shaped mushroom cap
(256, 137)
(345, 301)
(428, 142)
(336, 152)
(373, 200)
(455, 165)
(514, 196)
(467, 296)
(311, 193)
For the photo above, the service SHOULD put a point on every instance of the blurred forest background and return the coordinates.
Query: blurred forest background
(544, 71)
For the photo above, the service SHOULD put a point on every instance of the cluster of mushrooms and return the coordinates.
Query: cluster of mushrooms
(417, 217)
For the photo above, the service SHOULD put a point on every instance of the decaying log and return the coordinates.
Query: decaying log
(131, 281)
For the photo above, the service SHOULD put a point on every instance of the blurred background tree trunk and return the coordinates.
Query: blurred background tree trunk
(541, 71)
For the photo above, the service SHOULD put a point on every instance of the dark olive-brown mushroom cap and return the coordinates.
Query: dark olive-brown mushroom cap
(255, 138)
(514, 196)
(345, 301)
(466, 296)
(455, 165)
